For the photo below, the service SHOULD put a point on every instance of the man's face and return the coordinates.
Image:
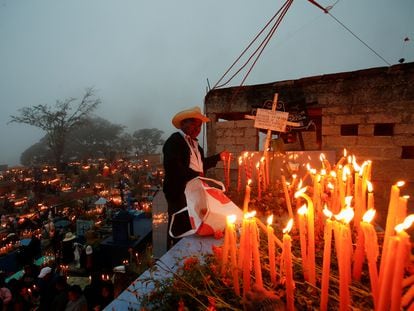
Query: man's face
(191, 127)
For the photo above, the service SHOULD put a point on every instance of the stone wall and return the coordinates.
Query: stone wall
(369, 112)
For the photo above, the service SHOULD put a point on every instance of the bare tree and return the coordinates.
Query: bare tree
(59, 120)
(146, 141)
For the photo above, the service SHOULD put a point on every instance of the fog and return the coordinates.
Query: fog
(147, 60)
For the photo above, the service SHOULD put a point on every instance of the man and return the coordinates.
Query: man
(184, 160)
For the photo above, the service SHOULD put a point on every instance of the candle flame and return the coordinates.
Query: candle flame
(369, 186)
(327, 212)
(308, 167)
(408, 221)
(257, 165)
(249, 182)
(333, 174)
(369, 215)
(345, 215)
(288, 226)
(348, 200)
(303, 210)
(400, 183)
(323, 172)
(240, 160)
(345, 153)
(250, 214)
(245, 154)
(231, 219)
(300, 192)
(270, 220)
(262, 159)
(300, 184)
(330, 186)
(349, 159)
(322, 157)
(345, 173)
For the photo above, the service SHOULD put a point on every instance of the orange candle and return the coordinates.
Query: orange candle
(288, 267)
(229, 230)
(259, 181)
(287, 196)
(233, 253)
(247, 196)
(390, 224)
(327, 236)
(370, 204)
(225, 254)
(271, 250)
(371, 250)
(385, 281)
(239, 174)
(359, 255)
(344, 254)
(311, 235)
(245, 255)
(302, 212)
(256, 254)
(401, 212)
(402, 255)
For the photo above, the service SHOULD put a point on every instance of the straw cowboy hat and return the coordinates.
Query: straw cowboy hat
(69, 236)
(191, 113)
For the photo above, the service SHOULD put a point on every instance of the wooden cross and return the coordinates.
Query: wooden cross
(269, 136)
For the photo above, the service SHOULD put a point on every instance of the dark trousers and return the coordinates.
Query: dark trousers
(181, 221)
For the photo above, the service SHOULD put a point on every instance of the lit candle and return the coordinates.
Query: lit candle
(271, 250)
(311, 235)
(226, 246)
(327, 236)
(371, 250)
(259, 181)
(390, 224)
(239, 174)
(247, 196)
(256, 254)
(230, 236)
(287, 256)
(287, 196)
(402, 255)
(302, 211)
(344, 254)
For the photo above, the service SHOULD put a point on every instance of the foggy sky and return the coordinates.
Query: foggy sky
(149, 59)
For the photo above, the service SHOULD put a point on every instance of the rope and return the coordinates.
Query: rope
(247, 48)
(359, 39)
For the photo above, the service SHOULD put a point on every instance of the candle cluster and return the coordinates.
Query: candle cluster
(337, 204)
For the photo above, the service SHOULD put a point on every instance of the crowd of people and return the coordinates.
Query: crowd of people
(47, 289)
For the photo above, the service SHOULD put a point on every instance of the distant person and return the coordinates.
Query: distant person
(184, 160)
(68, 248)
(76, 299)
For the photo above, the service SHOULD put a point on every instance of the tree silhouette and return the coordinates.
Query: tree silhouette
(146, 141)
(59, 120)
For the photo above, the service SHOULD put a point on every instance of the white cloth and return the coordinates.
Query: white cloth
(196, 163)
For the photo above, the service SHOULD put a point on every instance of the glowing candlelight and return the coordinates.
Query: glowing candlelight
(343, 238)
(247, 196)
(302, 211)
(311, 234)
(259, 181)
(271, 250)
(402, 255)
(230, 247)
(326, 259)
(287, 196)
(239, 174)
(371, 250)
(287, 256)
